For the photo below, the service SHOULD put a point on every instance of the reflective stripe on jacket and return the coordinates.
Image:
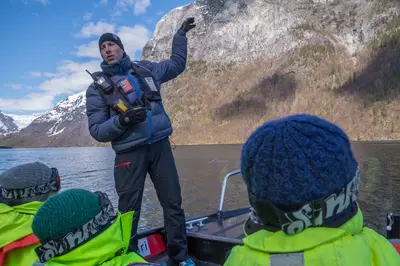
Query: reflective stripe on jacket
(102, 249)
(350, 244)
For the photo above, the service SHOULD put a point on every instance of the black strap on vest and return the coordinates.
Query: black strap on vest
(147, 82)
(102, 82)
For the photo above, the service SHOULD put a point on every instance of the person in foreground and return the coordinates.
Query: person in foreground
(303, 180)
(79, 227)
(124, 106)
(24, 188)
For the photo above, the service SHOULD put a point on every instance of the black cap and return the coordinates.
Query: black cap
(111, 37)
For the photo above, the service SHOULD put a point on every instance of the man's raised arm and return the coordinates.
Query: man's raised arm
(171, 68)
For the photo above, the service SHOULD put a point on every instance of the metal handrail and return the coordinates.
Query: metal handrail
(221, 201)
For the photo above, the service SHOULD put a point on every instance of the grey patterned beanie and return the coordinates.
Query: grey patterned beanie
(28, 182)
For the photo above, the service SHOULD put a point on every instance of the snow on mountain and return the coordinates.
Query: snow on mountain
(7, 125)
(65, 125)
(23, 121)
(65, 112)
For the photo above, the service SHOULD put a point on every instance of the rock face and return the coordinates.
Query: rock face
(254, 60)
(243, 30)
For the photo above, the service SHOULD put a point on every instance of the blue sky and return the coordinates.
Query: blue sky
(48, 44)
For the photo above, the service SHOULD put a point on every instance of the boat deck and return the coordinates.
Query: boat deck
(210, 238)
(231, 226)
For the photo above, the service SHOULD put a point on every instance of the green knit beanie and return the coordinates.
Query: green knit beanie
(64, 212)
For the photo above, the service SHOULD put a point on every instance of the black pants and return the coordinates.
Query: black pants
(130, 173)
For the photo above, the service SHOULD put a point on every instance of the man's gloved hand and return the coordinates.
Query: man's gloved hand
(133, 116)
(188, 24)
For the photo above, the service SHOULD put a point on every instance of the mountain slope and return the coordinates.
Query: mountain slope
(65, 125)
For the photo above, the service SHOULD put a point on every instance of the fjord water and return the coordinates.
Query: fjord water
(202, 169)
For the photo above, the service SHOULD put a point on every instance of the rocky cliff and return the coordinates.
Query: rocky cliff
(251, 61)
(245, 30)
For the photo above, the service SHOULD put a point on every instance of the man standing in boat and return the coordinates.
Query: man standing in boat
(124, 106)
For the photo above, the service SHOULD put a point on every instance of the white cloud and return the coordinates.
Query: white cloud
(91, 29)
(33, 101)
(71, 77)
(122, 6)
(13, 86)
(100, 3)
(48, 74)
(42, 74)
(35, 74)
(75, 23)
(141, 6)
(87, 16)
(43, 2)
(136, 6)
(89, 50)
(133, 39)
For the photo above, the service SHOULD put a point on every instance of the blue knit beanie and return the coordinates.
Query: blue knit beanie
(297, 159)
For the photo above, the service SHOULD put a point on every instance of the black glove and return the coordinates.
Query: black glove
(188, 24)
(133, 116)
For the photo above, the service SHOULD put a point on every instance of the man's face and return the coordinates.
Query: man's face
(111, 52)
